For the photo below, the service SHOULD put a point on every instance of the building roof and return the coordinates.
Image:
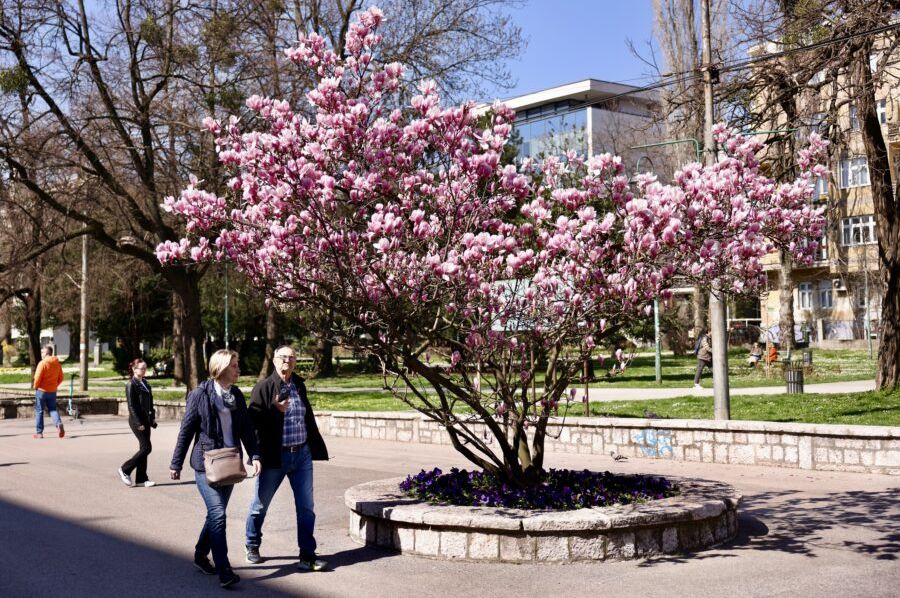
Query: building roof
(587, 90)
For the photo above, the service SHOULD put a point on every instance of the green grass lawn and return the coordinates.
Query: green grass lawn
(828, 366)
(865, 408)
(18, 375)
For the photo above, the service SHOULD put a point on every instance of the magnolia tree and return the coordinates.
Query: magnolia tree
(461, 274)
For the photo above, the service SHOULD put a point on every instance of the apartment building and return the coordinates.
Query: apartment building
(837, 298)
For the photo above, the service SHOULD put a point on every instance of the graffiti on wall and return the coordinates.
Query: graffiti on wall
(653, 442)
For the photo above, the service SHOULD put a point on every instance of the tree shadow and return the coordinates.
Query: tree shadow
(11, 464)
(865, 522)
(87, 562)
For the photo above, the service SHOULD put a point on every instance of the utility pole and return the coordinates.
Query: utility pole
(85, 336)
(717, 314)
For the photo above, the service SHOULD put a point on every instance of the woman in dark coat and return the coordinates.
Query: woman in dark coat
(141, 417)
(215, 417)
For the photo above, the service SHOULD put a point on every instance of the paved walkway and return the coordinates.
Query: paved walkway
(68, 527)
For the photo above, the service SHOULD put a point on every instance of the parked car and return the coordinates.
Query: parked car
(166, 367)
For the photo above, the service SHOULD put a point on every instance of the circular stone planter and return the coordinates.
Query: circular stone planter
(702, 515)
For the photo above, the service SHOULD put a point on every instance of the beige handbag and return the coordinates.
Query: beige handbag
(224, 467)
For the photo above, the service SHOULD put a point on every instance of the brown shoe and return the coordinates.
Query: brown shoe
(37, 435)
(62, 431)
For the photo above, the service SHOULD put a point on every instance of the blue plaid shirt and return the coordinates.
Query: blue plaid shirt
(295, 418)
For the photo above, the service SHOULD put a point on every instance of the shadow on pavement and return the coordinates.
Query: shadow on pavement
(782, 522)
(11, 464)
(79, 561)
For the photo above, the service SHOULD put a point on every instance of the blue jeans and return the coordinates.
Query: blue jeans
(47, 399)
(212, 536)
(298, 468)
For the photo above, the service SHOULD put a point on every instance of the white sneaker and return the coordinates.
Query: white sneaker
(149, 484)
(697, 387)
(126, 479)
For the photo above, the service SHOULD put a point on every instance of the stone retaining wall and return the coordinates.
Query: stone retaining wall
(864, 449)
(11, 408)
(702, 515)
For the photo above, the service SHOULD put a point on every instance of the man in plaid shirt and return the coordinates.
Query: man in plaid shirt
(289, 441)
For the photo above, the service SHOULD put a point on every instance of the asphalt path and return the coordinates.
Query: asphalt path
(69, 527)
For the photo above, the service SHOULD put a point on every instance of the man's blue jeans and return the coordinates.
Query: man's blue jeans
(212, 537)
(42, 399)
(298, 468)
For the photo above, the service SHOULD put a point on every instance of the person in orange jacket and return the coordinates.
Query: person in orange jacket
(47, 378)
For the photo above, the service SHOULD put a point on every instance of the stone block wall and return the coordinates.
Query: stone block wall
(864, 449)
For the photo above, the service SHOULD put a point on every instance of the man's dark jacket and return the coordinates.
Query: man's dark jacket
(269, 421)
(201, 424)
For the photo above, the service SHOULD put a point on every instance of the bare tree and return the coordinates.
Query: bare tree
(820, 58)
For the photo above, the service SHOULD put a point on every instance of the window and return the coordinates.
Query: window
(858, 230)
(854, 118)
(861, 298)
(805, 291)
(881, 109)
(825, 296)
(820, 189)
(821, 254)
(818, 123)
(854, 172)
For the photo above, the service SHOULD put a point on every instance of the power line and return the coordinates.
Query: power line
(684, 76)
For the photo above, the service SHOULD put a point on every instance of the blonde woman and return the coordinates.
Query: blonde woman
(215, 417)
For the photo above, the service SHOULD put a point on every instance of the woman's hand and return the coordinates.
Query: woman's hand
(174, 474)
(140, 428)
(256, 468)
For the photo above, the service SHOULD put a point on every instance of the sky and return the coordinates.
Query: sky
(572, 40)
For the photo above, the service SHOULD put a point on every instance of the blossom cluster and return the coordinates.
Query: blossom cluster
(407, 225)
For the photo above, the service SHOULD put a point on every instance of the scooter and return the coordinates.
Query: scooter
(72, 409)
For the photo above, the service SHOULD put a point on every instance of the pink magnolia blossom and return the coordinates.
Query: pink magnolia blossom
(407, 226)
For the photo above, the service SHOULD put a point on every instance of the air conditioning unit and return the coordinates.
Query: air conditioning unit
(838, 285)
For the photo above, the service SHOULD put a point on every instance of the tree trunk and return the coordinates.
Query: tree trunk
(786, 309)
(5, 334)
(700, 315)
(178, 371)
(185, 283)
(887, 222)
(32, 304)
(271, 343)
(323, 358)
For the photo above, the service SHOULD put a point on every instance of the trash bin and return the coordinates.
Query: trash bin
(807, 357)
(793, 376)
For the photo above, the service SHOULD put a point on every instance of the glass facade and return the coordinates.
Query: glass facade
(552, 129)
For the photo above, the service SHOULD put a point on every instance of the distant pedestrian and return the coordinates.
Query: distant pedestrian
(703, 351)
(47, 378)
(141, 417)
(215, 417)
(289, 441)
(755, 355)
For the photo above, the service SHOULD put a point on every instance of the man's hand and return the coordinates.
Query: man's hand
(140, 428)
(256, 468)
(282, 405)
(174, 474)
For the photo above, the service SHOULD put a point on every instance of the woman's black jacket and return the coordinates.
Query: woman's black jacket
(201, 423)
(140, 403)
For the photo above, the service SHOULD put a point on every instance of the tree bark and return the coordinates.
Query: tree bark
(887, 221)
(271, 343)
(185, 282)
(786, 303)
(178, 370)
(323, 357)
(32, 304)
(700, 315)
